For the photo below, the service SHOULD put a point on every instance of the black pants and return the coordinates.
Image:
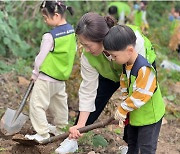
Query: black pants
(143, 139)
(105, 90)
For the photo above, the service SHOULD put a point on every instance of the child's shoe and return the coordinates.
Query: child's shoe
(53, 130)
(37, 137)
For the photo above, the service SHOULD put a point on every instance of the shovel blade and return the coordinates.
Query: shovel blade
(7, 126)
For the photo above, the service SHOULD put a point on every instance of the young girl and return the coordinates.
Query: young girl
(138, 79)
(52, 67)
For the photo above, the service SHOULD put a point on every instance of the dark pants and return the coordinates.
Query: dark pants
(143, 139)
(105, 90)
(178, 49)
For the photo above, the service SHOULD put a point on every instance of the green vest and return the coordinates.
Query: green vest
(121, 6)
(154, 109)
(174, 24)
(111, 70)
(59, 62)
(150, 52)
(138, 18)
(108, 69)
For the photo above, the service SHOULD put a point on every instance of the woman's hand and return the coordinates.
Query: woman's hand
(74, 132)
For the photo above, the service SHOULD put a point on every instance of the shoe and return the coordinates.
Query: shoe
(67, 146)
(37, 137)
(123, 149)
(53, 130)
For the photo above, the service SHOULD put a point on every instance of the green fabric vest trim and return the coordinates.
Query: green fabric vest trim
(58, 64)
(149, 113)
(121, 6)
(138, 18)
(107, 69)
(150, 52)
(174, 24)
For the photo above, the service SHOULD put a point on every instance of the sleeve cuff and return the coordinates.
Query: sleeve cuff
(122, 111)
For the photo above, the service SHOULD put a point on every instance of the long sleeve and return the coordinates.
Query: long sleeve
(144, 17)
(143, 89)
(88, 87)
(139, 47)
(123, 88)
(47, 44)
(121, 18)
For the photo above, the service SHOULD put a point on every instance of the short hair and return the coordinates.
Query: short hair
(112, 10)
(119, 37)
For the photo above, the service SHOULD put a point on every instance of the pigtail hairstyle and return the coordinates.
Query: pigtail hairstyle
(52, 7)
(119, 37)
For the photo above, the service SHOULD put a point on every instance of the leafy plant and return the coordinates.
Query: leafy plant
(99, 140)
(12, 44)
(87, 138)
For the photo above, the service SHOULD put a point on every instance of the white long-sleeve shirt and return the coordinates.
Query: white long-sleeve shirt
(47, 45)
(89, 84)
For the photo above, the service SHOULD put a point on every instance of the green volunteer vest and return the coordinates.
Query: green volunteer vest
(59, 62)
(121, 6)
(108, 69)
(150, 52)
(154, 109)
(174, 24)
(138, 18)
(111, 70)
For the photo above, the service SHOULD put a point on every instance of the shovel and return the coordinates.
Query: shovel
(13, 120)
(22, 140)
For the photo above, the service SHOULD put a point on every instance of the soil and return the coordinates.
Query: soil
(12, 90)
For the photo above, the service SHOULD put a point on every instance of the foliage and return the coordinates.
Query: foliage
(86, 138)
(117, 131)
(99, 140)
(91, 139)
(12, 42)
(20, 66)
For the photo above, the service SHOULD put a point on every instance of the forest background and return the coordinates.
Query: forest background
(22, 26)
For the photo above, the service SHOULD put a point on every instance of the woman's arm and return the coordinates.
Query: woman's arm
(87, 95)
(88, 87)
(74, 133)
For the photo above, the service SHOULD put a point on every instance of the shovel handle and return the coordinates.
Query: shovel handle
(81, 130)
(19, 110)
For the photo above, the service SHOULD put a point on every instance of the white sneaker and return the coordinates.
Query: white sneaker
(37, 137)
(123, 149)
(67, 146)
(53, 130)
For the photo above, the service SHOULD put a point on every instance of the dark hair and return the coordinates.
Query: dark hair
(52, 7)
(94, 27)
(177, 9)
(112, 10)
(144, 2)
(118, 38)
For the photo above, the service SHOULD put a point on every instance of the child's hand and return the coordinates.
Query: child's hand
(120, 117)
(33, 78)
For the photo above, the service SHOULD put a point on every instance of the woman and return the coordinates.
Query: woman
(100, 74)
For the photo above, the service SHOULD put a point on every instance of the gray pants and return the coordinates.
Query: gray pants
(143, 139)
